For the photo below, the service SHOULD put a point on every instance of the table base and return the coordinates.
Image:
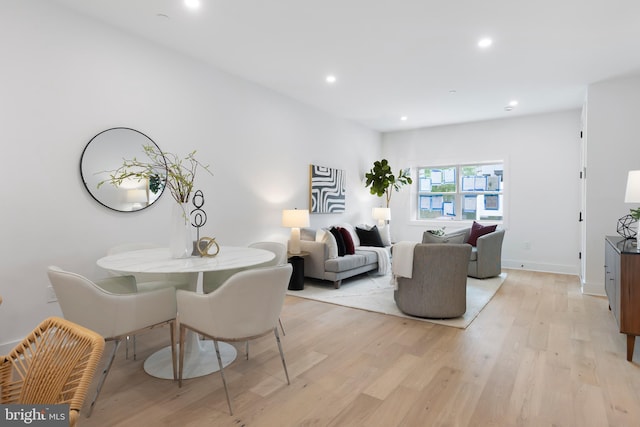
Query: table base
(203, 361)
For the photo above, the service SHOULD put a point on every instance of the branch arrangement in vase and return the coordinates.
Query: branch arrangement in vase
(180, 172)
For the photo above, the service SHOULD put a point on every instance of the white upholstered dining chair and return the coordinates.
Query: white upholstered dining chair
(245, 307)
(211, 280)
(151, 281)
(112, 315)
(278, 249)
(143, 282)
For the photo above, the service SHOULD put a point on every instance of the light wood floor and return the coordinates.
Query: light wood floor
(539, 354)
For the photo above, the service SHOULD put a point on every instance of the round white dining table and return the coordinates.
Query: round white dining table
(200, 357)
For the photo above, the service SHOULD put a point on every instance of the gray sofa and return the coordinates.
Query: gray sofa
(438, 284)
(319, 265)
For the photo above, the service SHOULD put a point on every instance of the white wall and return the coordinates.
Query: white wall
(65, 78)
(542, 160)
(613, 149)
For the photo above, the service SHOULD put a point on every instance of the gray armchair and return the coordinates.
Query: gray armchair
(438, 286)
(486, 256)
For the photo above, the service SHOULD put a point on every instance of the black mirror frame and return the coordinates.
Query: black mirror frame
(92, 191)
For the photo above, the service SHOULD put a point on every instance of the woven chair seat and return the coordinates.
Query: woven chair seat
(54, 364)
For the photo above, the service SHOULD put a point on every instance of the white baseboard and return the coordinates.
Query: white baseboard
(595, 289)
(546, 268)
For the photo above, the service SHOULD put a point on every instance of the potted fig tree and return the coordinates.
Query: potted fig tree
(382, 182)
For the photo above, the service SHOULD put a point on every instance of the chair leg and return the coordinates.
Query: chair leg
(104, 376)
(172, 331)
(224, 381)
(281, 327)
(284, 364)
(246, 349)
(181, 364)
(126, 347)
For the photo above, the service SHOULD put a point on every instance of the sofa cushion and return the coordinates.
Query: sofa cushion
(339, 240)
(370, 237)
(345, 263)
(478, 230)
(454, 237)
(474, 254)
(324, 236)
(349, 249)
(370, 257)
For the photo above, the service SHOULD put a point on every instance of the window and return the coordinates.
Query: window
(462, 192)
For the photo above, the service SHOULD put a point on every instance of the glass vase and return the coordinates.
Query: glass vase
(180, 243)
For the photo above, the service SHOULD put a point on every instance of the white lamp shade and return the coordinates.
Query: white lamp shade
(381, 214)
(295, 218)
(133, 183)
(632, 195)
(136, 196)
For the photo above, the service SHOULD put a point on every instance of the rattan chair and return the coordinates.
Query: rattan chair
(55, 364)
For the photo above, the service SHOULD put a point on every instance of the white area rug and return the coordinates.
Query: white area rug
(375, 293)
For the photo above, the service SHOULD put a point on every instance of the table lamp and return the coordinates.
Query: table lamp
(137, 198)
(632, 194)
(295, 218)
(382, 215)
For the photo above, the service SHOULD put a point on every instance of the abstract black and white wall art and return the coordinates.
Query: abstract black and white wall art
(327, 190)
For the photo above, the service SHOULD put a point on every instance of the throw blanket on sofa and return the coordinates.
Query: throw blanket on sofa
(384, 263)
(402, 261)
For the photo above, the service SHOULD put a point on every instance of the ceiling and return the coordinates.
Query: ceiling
(394, 58)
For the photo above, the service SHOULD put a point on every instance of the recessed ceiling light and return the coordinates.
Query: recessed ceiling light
(192, 4)
(513, 103)
(330, 78)
(485, 42)
(404, 118)
(508, 108)
(453, 91)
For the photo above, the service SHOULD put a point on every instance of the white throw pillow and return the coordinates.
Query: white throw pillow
(325, 236)
(385, 235)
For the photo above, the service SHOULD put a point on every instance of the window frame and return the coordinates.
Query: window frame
(459, 195)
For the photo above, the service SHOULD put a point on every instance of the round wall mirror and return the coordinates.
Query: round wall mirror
(105, 153)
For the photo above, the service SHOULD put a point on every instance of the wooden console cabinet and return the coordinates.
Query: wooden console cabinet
(622, 284)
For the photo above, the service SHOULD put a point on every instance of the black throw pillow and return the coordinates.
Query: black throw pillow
(369, 237)
(342, 249)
